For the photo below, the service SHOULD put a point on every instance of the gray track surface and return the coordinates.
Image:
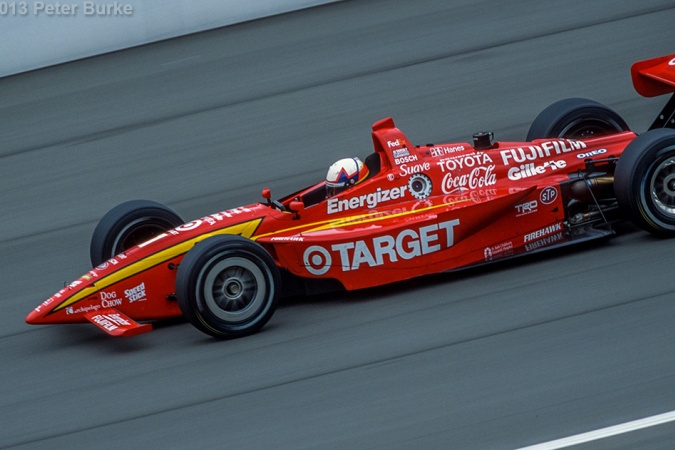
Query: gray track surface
(501, 357)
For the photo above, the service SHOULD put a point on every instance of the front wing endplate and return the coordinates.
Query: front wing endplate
(115, 323)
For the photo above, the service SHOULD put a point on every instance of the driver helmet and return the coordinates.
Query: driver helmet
(343, 174)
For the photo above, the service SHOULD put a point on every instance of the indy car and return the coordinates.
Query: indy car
(405, 211)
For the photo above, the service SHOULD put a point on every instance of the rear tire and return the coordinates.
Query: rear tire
(228, 286)
(129, 224)
(644, 181)
(576, 118)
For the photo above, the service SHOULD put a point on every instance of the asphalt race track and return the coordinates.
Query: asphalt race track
(498, 358)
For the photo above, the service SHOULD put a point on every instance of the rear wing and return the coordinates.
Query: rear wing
(654, 77)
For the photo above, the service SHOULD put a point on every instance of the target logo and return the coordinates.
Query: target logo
(379, 250)
(317, 260)
(189, 226)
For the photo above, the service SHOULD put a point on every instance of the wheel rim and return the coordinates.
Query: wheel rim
(588, 128)
(137, 232)
(662, 187)
(234, 289)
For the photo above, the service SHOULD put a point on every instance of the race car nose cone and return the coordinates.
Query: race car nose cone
(34, 318)
(39, 315)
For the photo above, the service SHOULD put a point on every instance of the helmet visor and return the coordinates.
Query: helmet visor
(333, 189)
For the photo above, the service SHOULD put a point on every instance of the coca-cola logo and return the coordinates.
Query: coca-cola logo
(479, 177)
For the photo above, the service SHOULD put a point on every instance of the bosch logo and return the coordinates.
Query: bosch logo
(548, 195)
(405, 159)
(592, 153)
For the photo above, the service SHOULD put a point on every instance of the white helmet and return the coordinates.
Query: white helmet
(343, 174)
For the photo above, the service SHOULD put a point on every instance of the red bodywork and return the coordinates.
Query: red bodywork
(427, 209)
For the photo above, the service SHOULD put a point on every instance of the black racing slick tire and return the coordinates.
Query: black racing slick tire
(228, 286)
(644, 181)
(576, 118)
(129, 224)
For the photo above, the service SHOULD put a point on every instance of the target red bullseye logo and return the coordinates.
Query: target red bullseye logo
(317, 260)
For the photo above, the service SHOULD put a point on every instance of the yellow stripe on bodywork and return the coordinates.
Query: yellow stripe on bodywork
(245, 229)
(355, 220)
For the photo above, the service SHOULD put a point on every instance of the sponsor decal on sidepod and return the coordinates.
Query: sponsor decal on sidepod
(407, 244)
(542, 232)
(592, 153)
(544, 150)
(526, 208)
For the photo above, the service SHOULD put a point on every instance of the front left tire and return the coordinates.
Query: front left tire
(228, 286)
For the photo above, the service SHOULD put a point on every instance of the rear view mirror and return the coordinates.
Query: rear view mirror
(297, 206)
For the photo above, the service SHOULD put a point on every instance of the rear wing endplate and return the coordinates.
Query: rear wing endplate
(654, 77)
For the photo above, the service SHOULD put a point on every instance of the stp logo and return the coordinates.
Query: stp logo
(548, 195)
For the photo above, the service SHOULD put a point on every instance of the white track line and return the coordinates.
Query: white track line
(605, 432)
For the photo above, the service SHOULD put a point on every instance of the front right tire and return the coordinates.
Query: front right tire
(129, 224)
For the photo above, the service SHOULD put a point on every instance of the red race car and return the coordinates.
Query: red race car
(405, 211)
